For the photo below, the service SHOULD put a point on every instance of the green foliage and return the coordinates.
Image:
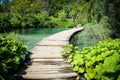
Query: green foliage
(4, 22)
(97, 31)
(108, 12)
(68, 23)
(69, 12)
(62, 15)
(68, 50)
(57, 22)
(12, 52)
(100, 62)
(14, 22)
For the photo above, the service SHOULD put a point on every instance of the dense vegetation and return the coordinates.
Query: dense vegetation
(60, 13)
(12, 52)
(99, 62)
(101, 19)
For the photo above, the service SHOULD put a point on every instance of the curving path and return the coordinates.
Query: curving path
(47, 60)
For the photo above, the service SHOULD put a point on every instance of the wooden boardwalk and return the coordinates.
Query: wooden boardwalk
(48, 63)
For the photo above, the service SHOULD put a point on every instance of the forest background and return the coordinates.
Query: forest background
(100, 18)
(103, 15)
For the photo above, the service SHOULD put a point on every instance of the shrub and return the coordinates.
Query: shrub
(60, 23)
(12, 52)
(81, 21)
(97, 31)
(14, 22)
(4, 22)
(99, 62)
(50, 24)
(62, 15)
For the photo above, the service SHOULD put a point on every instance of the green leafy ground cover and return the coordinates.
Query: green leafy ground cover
(12, 52)
(99, 62)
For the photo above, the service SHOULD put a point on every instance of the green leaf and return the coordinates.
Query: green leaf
(17, 59)
(105, 78)
(75, 62)
(117, 68)
(109, 64)
(118, 77)
(9, 60)
(88, 64)
(93, 60)
(81, 70)
(91, 73)
(76, 68)
(87, 76)
(99, 69)
(99, 58)
(14, 48)
(80, 61)
(70, 58)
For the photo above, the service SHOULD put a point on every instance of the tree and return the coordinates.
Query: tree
(107, 12)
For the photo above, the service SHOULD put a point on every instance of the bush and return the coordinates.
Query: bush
(50, 24)
(34, 20)
(67, 23)
(81, 21)
(15, 23)
(4, 22)
(62, 15)
(12, 52)
(99, 62)
(97, 31)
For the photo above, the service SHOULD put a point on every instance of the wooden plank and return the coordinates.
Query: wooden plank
(47, 60)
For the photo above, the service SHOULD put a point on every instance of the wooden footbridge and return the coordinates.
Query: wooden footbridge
(47, 62)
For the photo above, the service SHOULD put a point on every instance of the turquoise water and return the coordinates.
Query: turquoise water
(30, 37)
(82, 40)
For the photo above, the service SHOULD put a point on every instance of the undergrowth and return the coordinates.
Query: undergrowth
(99, 62)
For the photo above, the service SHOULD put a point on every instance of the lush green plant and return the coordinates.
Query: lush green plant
(60, 23)
(103, 12)
(14, 22)
(92, 34)
(81, 21)
(100, 62)
(4, 22)
(97, 31)
(68, 24)
(62, 15)
(12, 52)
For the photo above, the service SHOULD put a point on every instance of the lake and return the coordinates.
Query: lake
(31, 36)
